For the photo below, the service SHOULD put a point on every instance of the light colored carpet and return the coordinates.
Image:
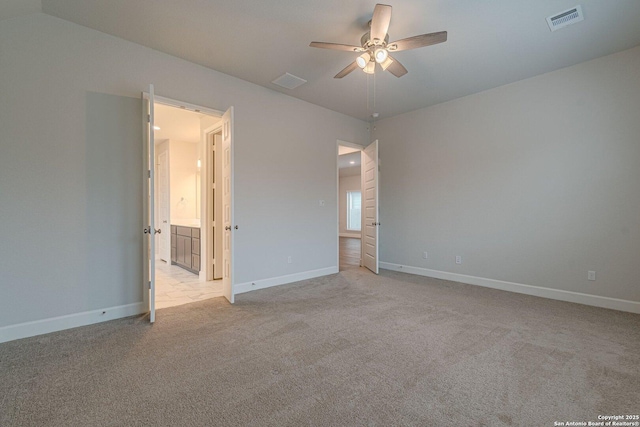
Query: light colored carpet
(348, 349)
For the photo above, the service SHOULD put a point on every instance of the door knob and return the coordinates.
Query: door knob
(147, 230)
(164, 222)
(228, 227)
(158, 231)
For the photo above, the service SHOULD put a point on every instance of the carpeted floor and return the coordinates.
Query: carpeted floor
(343, 350)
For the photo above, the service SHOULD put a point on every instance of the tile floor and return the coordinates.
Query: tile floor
(176, 286)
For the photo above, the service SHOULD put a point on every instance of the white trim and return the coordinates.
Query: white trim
(354, 235)
(241, 288)
(538, 291)
(184, 105)
(54, 324)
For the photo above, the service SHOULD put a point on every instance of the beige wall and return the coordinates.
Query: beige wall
(183, 172)
(536, 182)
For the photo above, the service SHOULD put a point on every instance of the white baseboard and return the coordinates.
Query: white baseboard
(353, 235)
(283, 280)
(557, 294)
(54, 324)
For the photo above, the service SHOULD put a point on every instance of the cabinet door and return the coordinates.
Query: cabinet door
(174, 247)
(180, 250)
(187, 251)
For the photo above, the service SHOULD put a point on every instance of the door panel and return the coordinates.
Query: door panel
(370, 207)
(149, 288)
(227, 204)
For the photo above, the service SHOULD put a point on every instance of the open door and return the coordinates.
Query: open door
(227, 204)
(149, 246)
(370, 222)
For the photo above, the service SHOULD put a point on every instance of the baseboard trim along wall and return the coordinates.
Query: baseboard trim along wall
(557, 294)
(283, 280)
(54, 324)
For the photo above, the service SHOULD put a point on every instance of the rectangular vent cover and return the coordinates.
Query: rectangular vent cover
(289, 81)
(568, 17)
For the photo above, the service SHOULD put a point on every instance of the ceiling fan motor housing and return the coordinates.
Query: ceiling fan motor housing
(367, 43)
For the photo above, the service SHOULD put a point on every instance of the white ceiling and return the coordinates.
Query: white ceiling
(13, 8)
(491, 43)
(177, 124)
(345, 160)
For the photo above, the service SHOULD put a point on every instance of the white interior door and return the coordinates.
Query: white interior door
(227, 204)
(164, 238)
(370, 222)
(149, 231)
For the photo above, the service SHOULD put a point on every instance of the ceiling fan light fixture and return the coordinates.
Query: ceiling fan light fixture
(381, 55)
(363, 60)
(386, 63)
(370, 68)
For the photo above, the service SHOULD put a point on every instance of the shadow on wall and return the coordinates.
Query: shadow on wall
(114, 191)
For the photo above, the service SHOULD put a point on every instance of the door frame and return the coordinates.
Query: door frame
(204, 164)
(360, 148)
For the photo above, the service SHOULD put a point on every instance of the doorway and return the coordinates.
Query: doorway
(178, 194)
(358, 224)
(349, 205)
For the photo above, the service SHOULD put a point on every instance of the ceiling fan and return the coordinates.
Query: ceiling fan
(375, 47)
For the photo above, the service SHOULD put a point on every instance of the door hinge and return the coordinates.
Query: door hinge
(149, 173)
(148, 118)
(149, 284)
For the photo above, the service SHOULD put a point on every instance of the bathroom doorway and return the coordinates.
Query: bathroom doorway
(180, 141)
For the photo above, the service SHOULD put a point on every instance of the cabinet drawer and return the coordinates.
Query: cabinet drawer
(195, 262)
(195, 233)
(195, 246)
(184, 231)
(174, 229)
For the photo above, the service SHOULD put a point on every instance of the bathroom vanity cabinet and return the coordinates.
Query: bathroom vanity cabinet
(185, 247)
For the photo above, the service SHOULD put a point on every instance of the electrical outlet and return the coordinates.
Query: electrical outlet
(289, 259)
(591, 275)
(458, 259)
(425, 255)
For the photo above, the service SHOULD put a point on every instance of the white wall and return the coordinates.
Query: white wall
(183, 173)
(535, 183)
(347, 183)
(71, 192)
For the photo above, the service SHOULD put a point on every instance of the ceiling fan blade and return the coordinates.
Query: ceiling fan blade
(418, 41)
(396, 68)
(380, 21)
(349, 68)
(336, 46)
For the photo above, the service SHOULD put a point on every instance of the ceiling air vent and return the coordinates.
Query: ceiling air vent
(568, 17)
(289, 81)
